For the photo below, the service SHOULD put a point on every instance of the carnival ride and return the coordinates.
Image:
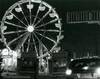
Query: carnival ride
(32, 26)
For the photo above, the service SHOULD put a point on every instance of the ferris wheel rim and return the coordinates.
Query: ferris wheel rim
(37, 1)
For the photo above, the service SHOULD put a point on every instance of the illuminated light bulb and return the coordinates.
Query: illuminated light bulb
(42, 8)
(9, 17)
(58, 25)
(3, 28)
(61, 37)
(18, 9)
(68, 72)
(98, 71)
(30, 28)
(85, 67)
(52, 15)
(30, 6)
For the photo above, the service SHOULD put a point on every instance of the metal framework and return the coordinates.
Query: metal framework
(32, 26)
(83, 16)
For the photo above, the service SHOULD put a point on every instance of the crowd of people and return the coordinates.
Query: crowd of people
(9, 59)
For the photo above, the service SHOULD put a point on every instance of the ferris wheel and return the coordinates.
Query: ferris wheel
(30, 25)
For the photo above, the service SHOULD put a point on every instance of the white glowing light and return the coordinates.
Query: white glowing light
(18, 9)
(30, 28)
(3, 28)
(30, 6)
(85, 67)
(42, 8)
(98, 71)
(68, 72)
(52, 15)
(9, 17)
(58, 25)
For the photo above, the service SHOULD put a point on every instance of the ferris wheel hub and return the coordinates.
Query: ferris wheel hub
(30, 28)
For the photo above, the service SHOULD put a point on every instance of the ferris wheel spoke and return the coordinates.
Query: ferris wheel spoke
(23, 48)
(30, 6)
(12, 32)
(28, 43)
(9, 23)
(53, 47)
(19, 19)
(50, 30)
(44, 46)
(46, 37)
(15, 39)
(40, 41)
(37, 13)
(23, 40)
(43, 17)
(50, 22)
(35, 45)
(24, 15)
(44, 55)
(30, 16)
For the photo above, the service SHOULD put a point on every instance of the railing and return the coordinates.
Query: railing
(92, 16)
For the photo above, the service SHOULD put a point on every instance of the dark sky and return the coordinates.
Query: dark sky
(78, 37)
(61, 5)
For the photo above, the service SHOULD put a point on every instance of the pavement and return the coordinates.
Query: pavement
(30, 76)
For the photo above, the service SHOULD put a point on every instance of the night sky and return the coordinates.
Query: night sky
(81, 38)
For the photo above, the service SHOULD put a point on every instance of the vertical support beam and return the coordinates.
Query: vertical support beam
(43, 61)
